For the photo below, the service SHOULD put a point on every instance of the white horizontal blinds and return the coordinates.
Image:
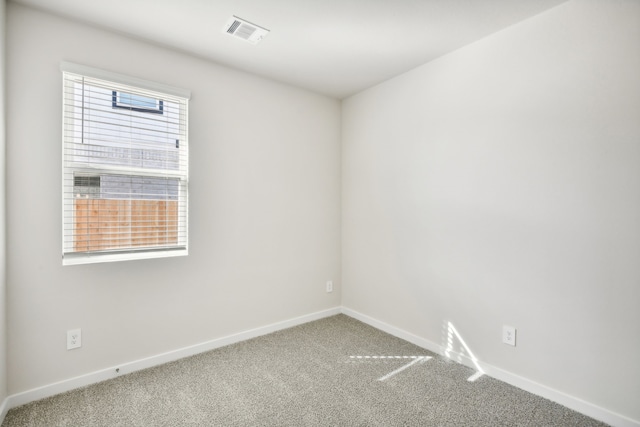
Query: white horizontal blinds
(125, 154)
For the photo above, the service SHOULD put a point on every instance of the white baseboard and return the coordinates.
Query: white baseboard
(105, 374)
(541, 390)
(392, 330)
(574, 403)
(4, 408)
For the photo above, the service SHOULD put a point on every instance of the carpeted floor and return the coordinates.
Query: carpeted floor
(332, 372)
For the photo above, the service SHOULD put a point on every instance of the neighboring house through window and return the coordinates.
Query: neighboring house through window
(125, 177)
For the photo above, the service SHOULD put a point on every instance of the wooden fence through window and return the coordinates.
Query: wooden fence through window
(103, 224)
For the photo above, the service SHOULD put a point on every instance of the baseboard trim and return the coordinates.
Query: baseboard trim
(562, 398)
(526, 384)
(392, 330)
(32, 395)
(4, 408)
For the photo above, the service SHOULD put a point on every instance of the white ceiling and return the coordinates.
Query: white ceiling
(333, 47)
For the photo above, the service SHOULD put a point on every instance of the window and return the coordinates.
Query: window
(125, 167)
(135, 102)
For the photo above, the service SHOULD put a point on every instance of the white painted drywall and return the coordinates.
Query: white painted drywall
(500, 184)
(3, 288)
(264, 210)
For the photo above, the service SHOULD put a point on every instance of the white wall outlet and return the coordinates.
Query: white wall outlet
(74, 339)
(509, 335)
(330, 286)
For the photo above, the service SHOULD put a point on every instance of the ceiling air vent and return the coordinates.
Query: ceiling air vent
(247, 31)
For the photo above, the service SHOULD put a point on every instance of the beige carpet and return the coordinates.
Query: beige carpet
(332, 372)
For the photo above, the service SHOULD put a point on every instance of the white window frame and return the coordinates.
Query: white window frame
(71, 169)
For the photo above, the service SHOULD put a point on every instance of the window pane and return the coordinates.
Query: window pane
(125, 171)
(131, 100)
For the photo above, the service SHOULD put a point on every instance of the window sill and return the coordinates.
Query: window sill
(97, 257)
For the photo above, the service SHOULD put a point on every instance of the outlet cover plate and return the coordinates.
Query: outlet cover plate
(74, 339)
(330, 286)
(509, 335)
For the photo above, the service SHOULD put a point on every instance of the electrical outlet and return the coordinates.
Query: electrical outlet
(330, 286)
(74, 339)
(509, 335)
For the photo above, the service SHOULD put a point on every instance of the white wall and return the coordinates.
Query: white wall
(264, 210)
(3, 288)
(500, 184)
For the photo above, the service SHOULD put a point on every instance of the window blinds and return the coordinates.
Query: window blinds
(125, 168)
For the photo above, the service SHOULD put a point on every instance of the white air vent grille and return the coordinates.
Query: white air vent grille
(244, 30)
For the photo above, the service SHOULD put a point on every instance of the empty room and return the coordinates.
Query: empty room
(320, 213)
